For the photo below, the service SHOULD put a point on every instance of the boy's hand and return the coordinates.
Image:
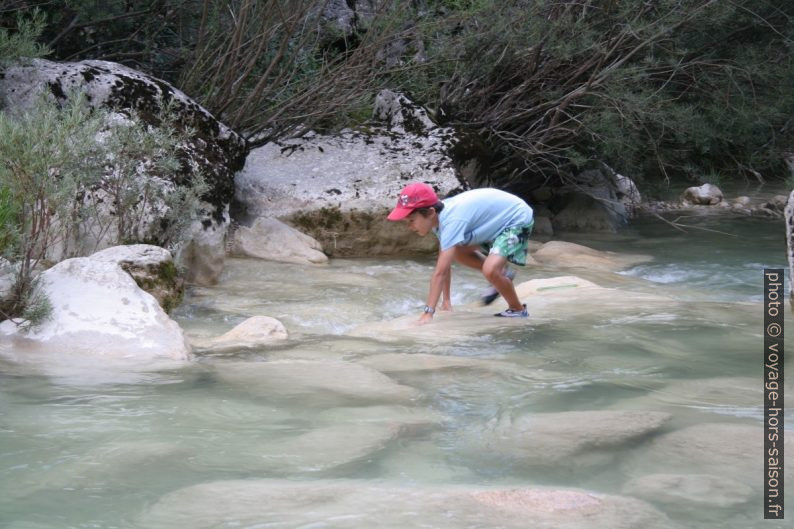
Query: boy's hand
(425, 318)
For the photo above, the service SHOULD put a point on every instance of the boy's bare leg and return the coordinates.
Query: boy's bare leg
(470, 256)
(492, 270)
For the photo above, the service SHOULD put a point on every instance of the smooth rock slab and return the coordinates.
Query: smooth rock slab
(567, 439)
(732, 450)
(571, 255)
(326, 381)
(354, 504)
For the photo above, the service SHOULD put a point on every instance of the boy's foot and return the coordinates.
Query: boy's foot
(490, 294)
(510, 313)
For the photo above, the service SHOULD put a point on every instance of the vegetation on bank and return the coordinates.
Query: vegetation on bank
(72, 177)
(654, 89)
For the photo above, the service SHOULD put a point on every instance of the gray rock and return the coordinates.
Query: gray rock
(401, 114)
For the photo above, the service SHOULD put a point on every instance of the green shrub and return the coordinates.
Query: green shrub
(72, 177)
(21, 42)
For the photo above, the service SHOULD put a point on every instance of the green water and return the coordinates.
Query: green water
(94, 447)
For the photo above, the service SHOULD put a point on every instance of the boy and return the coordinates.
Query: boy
(463, 223)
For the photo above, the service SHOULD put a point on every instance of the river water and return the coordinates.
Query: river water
(655, 397)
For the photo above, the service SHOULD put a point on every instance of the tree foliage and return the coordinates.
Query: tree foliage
(655, 89)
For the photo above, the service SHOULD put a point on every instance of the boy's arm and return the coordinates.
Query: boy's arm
(438, 282)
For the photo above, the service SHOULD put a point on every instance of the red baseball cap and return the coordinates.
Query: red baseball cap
(412, 197)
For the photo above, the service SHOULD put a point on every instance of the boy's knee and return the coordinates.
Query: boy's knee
(491, 271)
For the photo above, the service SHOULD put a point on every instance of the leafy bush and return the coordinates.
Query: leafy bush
(22, 41)
(72, 178)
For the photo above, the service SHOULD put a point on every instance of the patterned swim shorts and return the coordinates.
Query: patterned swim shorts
(513, 243)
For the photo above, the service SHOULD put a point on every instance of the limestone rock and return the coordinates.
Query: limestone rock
(568, 439)
(339, 189)
(151, 267)
(401, 114)
(273, 240)
(99, 310)
(353, 504)
(256, 331)
(705, 195)
(567, 254)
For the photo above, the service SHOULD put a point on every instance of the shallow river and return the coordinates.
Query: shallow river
(650, 396)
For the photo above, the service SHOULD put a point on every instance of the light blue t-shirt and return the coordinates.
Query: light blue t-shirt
(479, 216)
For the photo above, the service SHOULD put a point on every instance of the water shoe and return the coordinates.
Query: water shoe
(510, 313)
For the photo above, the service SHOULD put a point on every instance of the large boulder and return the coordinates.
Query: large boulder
(213, 149)
(97, 309)
(339, 189)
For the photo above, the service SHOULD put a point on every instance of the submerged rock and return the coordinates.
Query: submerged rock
(99, 310)
(322, 381)
(355, 504)
(690, 494)
(728, 450)
(565, 440)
